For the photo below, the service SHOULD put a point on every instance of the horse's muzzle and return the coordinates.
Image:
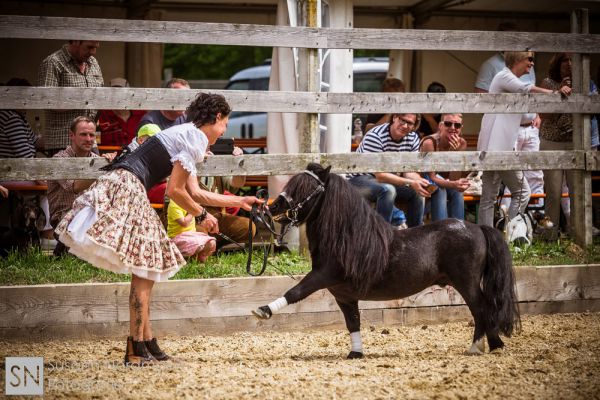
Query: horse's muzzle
(279, 208)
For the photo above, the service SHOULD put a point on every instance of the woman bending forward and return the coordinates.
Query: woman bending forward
(113, 226)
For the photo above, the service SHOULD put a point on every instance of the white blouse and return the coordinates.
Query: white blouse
(186, 144)
(499, 131)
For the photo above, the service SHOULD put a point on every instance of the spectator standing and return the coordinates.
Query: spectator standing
(118, 127)
(62, 193)
(447, 201)
(384, 188)
(74, 65)
(528, 139)
(496, 63)
(499, 133)
(556, 133)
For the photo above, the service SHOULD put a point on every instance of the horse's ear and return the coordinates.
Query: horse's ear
(314, 167)
(323, 174)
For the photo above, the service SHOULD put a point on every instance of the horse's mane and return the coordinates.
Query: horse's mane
(352, 233)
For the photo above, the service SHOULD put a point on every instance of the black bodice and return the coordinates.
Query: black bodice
(151, 162)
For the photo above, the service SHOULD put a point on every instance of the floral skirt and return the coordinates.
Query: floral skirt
(113, 226)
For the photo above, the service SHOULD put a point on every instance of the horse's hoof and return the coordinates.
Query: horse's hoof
(477, 348)
(354, 355)
(263, 312)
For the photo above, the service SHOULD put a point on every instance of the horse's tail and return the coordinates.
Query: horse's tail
(498, 284)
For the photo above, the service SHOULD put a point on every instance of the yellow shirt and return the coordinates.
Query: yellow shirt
(175, 212)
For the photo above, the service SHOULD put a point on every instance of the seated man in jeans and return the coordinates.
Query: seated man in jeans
(383, 188)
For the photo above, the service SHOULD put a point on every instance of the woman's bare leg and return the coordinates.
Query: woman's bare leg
(139, 308)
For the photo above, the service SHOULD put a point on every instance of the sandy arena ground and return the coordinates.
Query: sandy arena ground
(554, 357)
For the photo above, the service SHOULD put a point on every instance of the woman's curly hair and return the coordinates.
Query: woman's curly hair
(554, 66)
(205, 107)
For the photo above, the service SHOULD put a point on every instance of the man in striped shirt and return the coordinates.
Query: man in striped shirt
(384, 188)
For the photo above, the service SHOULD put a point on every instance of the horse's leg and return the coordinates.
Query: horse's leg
(352, 317)
(476, 303)
(312, 282)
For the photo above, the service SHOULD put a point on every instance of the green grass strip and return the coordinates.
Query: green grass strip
(35, 267)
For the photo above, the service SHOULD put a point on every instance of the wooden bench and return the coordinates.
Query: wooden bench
(19, 187)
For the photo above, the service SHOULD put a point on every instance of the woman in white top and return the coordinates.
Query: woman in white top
(113, 226)
(499, 133)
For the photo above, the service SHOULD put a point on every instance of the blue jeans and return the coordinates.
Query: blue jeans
(384, 195)
(447, 203)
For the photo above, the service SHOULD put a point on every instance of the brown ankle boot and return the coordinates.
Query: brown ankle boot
(136, 354)
(152, 346)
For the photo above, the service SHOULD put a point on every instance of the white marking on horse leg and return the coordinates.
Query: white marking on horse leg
(478, 347)
(278, 304)
(355, 342)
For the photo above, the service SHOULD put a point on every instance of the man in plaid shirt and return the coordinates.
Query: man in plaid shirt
(74, 65)
(62, 193)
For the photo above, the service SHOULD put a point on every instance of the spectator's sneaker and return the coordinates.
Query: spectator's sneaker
(48, 244)
(401, 227)
(545, 223)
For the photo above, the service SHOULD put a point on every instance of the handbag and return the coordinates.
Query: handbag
(475, 183)
(518, 229)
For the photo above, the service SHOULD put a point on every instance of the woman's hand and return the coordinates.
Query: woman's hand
(461, 184)
(565, 90)
(237, 151)
(454, 142)
(248, 201)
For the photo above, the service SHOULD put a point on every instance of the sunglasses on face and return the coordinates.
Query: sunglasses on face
(530, 59)
(448, 124)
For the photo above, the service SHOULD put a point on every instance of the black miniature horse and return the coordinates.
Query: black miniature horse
(356, 255)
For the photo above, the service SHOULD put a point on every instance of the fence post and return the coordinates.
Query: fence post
(581, 193)
(309, 81)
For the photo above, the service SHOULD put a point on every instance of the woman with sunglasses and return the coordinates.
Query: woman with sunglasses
(447, 201)
(499, 133)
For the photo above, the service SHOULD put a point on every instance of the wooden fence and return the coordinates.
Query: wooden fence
(311, 103)
(221, 306)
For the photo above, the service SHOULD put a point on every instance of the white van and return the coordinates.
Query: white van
(369, 73)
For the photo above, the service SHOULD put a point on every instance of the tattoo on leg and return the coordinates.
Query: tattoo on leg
(137, 308)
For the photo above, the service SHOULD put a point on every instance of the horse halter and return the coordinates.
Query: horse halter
(258, 214)
(294, 210)
(261, 214)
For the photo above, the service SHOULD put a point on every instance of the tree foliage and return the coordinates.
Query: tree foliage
(190, 61)
(212, 61)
